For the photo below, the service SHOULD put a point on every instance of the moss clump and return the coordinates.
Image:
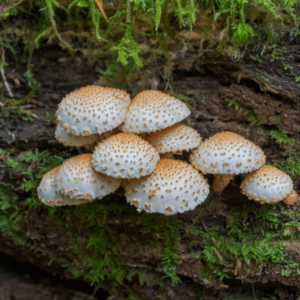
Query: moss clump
(222, 24)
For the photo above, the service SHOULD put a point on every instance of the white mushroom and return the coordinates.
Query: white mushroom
(78, 140)
(92, 109)
(267, 185)
(48, 194)
(125, 155)
(74, 140)
(177, 137)
(226, 153)
(78, 179)
(173, 187)
(153, 110)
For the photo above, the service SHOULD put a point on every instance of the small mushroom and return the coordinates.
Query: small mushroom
(125, 155)
(153, 110)
(48, 194)
(173, 187)
(92, 110)
(177, 137)
(267, 185)
(74, 140)
(78, 140)
(77, 179)
(291, 199)
(226, 154)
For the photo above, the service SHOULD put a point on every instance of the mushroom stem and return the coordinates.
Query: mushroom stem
(291, 198)
(169, 154)
(166, 155)
(220, 182)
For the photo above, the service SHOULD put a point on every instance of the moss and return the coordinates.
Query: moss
(256, 244)
(138, 35)
(223, 24)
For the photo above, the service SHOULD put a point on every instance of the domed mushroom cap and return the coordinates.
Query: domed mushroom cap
(78, 140)
(74, 140)
(291, 199)
(177, 137)
(125, 155)
(267, 185)
(48, 194)
(120, 94)
(78, 179)
(92, 109)
(227, 153)
(173, 187)
(153, 110)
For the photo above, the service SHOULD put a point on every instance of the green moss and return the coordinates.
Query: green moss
(236, 22)
(254, 243)
(99, 252)
(257, 243)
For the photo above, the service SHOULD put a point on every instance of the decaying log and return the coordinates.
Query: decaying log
(209, 84)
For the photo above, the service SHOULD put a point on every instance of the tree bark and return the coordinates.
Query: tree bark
(266, 89)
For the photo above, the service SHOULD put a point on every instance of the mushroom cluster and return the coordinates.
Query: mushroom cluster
(140, 158)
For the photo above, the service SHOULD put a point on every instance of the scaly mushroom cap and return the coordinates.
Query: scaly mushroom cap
(50, 196)
(125, 155)
(173, 187)
(177, 137)
(74, 140)
(92, 109)
(78, 140)
(291, 199)
(120, 94)
(153, 110)
(78, 179)
(227, 153)
(267, 185)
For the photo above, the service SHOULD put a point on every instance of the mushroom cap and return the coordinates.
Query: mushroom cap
(173, 187)
(227, 153)
(92, 109)
(125, 155)
(78, 179)
(177, 137)
(78, 140)
(153, 110)
(267, 185)
(291, 199)
(74, 140)
(48, 194)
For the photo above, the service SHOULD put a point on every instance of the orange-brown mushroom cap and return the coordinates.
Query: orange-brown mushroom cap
(227, 153)
(177, 137)
(78, 179)
(49, 195)
(125, 155)
(153, 110)
(173, 187)
(291, 199)
(267, 185)
(92, 110)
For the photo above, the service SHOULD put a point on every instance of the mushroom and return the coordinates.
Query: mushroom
(92, 109)
(291, 199)
(125, 155)
(175, 138)
(77, 179)
(267, 185)
(153, 110)
(78, 140)
(74, 140)
(173, 187)
(50, 196)
(226, 154)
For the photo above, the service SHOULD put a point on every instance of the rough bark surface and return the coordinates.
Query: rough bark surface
(216, 81)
